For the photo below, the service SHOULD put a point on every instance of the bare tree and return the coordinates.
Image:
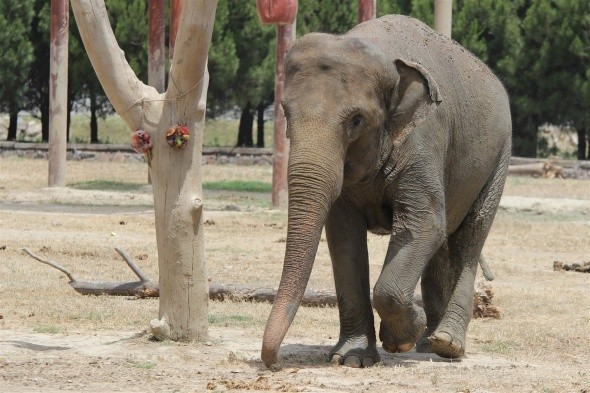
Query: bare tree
(174, 159)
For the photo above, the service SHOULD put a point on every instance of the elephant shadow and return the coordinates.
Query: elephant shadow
(316, 356)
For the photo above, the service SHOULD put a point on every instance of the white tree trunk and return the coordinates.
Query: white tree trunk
(175, 173)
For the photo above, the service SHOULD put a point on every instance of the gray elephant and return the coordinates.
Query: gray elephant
(394, 129)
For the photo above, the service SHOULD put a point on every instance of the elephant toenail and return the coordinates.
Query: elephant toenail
(352, 361)
(336, 359)
(368, 362)
(405, 347)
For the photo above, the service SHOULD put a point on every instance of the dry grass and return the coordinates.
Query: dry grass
(541, 344)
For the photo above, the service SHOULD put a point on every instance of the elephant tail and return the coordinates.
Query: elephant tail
(485, 269)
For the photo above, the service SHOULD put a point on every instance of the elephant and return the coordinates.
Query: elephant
(397, 130)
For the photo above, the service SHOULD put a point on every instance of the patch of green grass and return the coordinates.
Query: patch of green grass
(238, 185)
(50, 329)
(106, 185)
(239, 320)
(499, 346)
(145, 365)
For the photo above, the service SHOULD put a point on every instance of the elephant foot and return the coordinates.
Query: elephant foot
(444, 345)
(354, 352)
(400, 334)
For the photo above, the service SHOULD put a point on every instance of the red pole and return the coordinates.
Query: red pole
(175, 12)
(285, 37)
(156, 45)
(58, 92)
(367, 10)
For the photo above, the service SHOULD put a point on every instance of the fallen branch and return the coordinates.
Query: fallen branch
(311, 298)
(146, 287)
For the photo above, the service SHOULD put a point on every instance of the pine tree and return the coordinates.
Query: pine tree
(17, 56)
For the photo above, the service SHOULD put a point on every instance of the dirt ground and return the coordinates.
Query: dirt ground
(53, 339)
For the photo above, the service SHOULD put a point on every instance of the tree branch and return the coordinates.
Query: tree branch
(188, 70)
(52, 264)
(123, 88)
(138, 272)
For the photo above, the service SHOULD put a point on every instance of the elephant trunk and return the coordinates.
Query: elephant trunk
(313, 187)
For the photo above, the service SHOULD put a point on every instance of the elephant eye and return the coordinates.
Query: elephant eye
(356, 120)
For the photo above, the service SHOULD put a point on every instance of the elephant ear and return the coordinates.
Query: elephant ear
(413, 99)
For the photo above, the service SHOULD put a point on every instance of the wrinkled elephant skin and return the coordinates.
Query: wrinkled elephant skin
(394, 129)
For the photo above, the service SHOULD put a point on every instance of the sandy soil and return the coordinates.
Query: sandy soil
(53, 339)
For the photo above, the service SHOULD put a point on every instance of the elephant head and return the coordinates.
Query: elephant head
(344, 101)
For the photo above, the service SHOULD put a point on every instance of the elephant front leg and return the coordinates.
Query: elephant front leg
(346, 231)
(410, 249)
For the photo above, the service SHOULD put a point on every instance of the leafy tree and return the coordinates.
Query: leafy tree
(17, 56)
(129, 21)
(327, 16)
(223, 64)
(555, 67)
(241, 66)
(37, 85)
(85, 91)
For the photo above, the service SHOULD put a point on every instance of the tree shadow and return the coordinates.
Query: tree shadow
(36, 347)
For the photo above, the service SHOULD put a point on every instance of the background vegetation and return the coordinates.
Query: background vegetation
(539, 48)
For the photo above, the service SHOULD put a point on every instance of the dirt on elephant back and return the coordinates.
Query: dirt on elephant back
(53, 339)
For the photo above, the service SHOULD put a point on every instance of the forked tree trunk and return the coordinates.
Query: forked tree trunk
(176, 173)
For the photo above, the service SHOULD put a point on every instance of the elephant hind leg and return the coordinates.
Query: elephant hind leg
(437, 284)
(465, 245)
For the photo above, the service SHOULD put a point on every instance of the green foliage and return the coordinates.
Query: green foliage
(17, 52)
(556, 64)
(540, 49)
(129, 22)
(37, 85)
(241, 62)
(326, 16)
